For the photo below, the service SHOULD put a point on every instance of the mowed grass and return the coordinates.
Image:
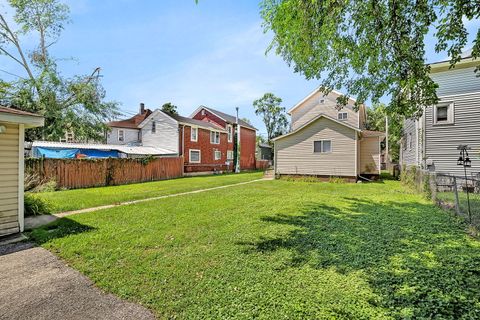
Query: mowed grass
(68, 200)
(279, 250)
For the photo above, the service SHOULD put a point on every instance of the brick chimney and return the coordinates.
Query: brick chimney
(142, 108)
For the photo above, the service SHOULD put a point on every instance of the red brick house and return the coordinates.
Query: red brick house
(205, 140)
(248, 133)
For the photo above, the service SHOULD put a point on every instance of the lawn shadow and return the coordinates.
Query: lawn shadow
(58, 229)
(414, 256)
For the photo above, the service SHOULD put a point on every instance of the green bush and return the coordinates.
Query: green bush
(35, 206)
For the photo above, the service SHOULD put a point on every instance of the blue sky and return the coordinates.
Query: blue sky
(175, 51)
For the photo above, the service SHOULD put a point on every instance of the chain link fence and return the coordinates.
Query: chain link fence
(456, 193)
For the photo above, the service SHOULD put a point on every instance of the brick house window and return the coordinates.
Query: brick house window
(230, 132)
(229, 155)
(214, 137)
(121, 135)
(194, 134)
(194, 156)
(217, 155)
(322, 146)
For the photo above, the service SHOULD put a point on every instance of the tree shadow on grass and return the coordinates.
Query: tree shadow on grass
(415, 258)
(58, 229)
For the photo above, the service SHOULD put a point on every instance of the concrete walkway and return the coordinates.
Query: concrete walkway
(68, 213)
(37, 285)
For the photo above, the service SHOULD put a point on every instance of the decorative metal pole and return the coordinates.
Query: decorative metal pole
(464, 160)
(237, 162)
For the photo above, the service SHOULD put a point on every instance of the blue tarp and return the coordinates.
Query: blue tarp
(91, 153)
(57, 153)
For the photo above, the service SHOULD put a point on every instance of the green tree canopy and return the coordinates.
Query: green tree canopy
(75, 104)
(370, 48)
(169, 108)
(273, 115)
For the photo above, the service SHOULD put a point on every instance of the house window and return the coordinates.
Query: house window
(322, 146)
(217, 155)
(193, 134)
(409, 141)
(214, 137)
(194, 156)
(121, 135)
(69, 136)
(154, 127)
(342, 116)
(230, 133)
(229, 155)
(443, 113)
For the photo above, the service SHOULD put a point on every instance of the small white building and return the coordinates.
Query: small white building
(13, 123)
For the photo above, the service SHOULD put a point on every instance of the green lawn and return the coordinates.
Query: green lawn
(92, 197)
(279, 250)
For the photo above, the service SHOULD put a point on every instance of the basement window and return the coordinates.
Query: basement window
(217, 155)
(322, 146)
(194, 156)
(229, 155)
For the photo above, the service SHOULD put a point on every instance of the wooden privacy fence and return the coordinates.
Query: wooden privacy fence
(262, 164)
(83, 173)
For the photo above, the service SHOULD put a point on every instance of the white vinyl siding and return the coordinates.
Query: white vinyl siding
(442, 140)
(370, 155)
(166, 133)
(294, 153)
(456, 81)
(9, 187)
(130, 135)
(311, 108)
(409, 144)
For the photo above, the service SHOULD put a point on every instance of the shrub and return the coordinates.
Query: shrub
(48, 186)
(336, 180)
(35, 206)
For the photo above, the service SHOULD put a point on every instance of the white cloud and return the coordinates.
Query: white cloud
(234, 72)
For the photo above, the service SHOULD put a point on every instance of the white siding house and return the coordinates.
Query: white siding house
(328, 141)
(161, 131)
(12, 132)
(431, 141)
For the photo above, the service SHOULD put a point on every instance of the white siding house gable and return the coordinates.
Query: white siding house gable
(318, 103)
(166, 133)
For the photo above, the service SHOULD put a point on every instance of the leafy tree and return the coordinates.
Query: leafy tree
(169, 108)
(370, 48)
(376, 121)
(273, 115)
(73, 104)
(246, 120)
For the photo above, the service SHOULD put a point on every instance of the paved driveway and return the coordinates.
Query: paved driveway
(34, 284)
